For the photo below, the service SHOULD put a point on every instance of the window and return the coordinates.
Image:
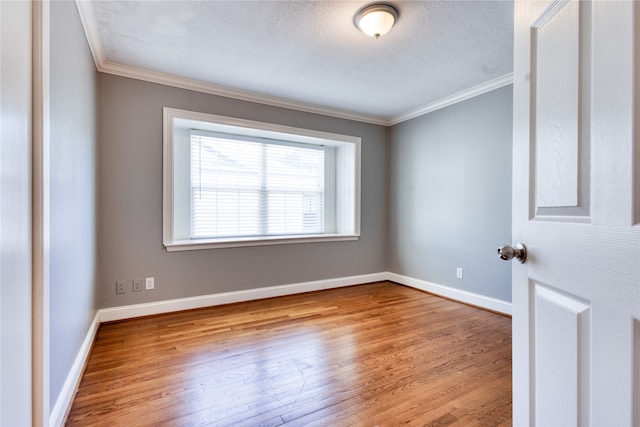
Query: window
(231, 182)
(251, 187)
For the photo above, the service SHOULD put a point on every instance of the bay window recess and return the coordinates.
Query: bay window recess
(230, 182)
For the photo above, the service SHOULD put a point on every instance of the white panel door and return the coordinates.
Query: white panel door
(576, 207)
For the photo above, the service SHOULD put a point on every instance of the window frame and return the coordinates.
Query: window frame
(347, 178)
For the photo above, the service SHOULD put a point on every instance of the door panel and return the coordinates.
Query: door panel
(556, 106)
(576, 301)
(560, 79)
(636, 371)
(612, 112)
(612, 358)
(636, 119)
(561, 345)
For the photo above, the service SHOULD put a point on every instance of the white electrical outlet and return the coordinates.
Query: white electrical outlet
(459, 273)
(149, 283)
(121, 287)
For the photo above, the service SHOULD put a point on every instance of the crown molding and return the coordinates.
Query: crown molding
(90, 25)
(497, 83)
(213, 89)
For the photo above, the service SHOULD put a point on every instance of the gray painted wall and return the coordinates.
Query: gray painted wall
(450, 195)
(130, 202)
(73, 247)
(15, 213)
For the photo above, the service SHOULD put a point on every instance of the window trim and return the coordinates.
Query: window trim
(233, 125)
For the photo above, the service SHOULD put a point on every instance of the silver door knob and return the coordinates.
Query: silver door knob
(507, 252)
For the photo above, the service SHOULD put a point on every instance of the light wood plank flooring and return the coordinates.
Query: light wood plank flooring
(377, 354)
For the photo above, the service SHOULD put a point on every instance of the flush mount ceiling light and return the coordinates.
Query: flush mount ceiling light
(376, 20)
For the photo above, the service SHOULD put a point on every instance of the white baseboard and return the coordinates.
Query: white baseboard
(167, 306)
(137, 310)
(63, 403)
(477, 300)
(130, 311)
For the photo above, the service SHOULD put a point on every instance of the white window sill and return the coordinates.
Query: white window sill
(193, 245)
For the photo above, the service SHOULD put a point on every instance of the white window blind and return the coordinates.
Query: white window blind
(243, 186)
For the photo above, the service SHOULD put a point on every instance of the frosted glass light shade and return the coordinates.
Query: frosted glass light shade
(376, 20)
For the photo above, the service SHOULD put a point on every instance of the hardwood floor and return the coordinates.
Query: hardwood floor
(376, 354)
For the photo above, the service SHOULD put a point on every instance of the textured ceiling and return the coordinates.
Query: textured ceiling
(311, 52)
